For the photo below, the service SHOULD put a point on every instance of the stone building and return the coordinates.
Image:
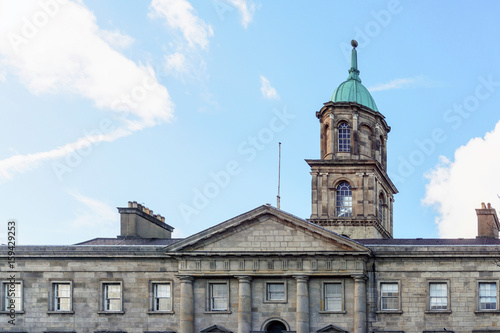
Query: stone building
(266, 270)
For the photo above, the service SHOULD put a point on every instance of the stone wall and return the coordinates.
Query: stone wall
(415, 269)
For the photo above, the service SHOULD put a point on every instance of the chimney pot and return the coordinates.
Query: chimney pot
(138, 222)
(488, 225)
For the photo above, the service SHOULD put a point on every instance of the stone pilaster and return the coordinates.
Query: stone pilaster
(245, 304)
(186, 316)
(314, 195)
(360, 303)
(324, 195)
(302, 304)
(333, 147)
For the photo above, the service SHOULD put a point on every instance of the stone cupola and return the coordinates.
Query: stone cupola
(351, 191)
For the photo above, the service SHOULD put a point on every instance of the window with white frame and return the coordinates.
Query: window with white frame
(218, 296)
(12, 296)
(275, 291)
(488, 296)
(344, 136)
(438, 296)
(344, 200)
(389, 296)
(112, 296)
(162, 296)
(332, 296)
(61, 296)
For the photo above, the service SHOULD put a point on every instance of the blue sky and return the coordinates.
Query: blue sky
(180, 105)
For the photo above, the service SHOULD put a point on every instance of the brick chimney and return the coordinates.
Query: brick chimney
(487, 222)
(138, 221)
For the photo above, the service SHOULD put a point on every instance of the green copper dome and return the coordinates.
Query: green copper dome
(352, 90)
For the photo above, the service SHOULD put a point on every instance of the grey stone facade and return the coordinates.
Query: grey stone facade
(242, 254)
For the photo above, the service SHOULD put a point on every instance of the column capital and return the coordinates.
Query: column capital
(243, 278)
(359, 277)
(186, 278)
(301, 278)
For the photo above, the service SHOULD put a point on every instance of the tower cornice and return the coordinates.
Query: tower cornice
(322, 165)
(355, 107)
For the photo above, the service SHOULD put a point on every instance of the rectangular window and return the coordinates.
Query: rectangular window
(487, 296)
(275, 291)
(62, 296)
(438, 296)
(12, 296)
(162, 297)
(218, 296)
(332, 296)
(389, 296)
(112, 299)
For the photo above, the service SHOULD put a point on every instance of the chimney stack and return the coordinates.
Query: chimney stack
(487, 222)
(138, 221)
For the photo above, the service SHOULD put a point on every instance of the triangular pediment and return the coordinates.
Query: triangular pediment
(216, 328)
(331, 329)
(266, 229)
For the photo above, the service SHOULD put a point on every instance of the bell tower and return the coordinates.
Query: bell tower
(351, 191)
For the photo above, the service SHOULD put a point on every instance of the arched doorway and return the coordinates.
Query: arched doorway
(275, 327)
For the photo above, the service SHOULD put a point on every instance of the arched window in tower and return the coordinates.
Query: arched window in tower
(381, 203)
(344, 137)
(344, 200)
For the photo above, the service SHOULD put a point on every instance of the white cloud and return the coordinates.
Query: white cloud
(410, 82)
(67, 55)
(267, 90)
(175, 62)
(456, 188)
(116, 39)
(186, 62)
(246, 9)
(94, 214)
(57, 48)
(20, 163)
(180, 15)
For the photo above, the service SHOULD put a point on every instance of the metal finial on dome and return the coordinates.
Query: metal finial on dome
(354, 72)
(352, 90)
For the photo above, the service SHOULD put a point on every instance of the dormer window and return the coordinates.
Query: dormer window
(344, 200)
(344, 137)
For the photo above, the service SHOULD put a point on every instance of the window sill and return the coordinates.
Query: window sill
(486, 311)
(218, 312)
(437, 311)
(8, 312)
(390, 312)
(275, 302)
(111, 312)
(160, 312)
(60, 312)
(333, 312)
